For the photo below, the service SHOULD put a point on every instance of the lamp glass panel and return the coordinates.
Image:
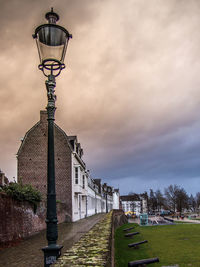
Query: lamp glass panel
(51, 43)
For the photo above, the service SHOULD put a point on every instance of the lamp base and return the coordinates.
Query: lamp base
(51, 254)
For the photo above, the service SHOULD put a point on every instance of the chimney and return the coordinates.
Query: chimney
(43, 116)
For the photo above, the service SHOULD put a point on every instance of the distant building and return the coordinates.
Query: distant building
(135, 203)
(144, 205)
(82, 195)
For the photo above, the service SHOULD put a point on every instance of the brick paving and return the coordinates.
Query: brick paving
(28, 253)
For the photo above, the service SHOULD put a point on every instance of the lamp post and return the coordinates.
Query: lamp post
(51, 40)
(106, 202)
(105, 189)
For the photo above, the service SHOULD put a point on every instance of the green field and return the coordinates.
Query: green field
(172, 244)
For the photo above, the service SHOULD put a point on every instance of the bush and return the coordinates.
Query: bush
(23, 193)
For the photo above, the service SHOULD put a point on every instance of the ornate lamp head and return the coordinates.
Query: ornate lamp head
(52, 41)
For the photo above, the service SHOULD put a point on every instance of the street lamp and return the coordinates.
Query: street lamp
(107, 190)
(51, 40)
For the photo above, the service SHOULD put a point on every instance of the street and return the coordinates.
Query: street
(28, 253)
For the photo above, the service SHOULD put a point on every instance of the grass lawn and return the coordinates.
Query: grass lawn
(172, 244)
(181, 222)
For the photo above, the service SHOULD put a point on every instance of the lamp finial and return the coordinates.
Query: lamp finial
(52, 17)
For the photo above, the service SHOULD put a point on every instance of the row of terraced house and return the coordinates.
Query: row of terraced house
(82, 195)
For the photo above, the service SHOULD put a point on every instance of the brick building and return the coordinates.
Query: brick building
(32, 161)
(82, 195)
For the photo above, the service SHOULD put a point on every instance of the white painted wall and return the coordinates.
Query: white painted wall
(79, 191)
(91, 201)
(128, 206)
(86, 200)
(115, 200)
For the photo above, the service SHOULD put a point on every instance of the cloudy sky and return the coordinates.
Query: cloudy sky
(130, 92)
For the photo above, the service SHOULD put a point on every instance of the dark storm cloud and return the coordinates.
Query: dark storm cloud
(170, 158)
(130, 90)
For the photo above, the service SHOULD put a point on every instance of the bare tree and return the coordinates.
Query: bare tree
(171, 196)
(152, 201)
(182, 200)
(198, 200)
(159, 199)
(176, 197)
(192, 203)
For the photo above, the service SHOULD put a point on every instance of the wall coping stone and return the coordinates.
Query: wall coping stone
(93, 249)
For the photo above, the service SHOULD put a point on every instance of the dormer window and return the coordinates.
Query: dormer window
(72, 143)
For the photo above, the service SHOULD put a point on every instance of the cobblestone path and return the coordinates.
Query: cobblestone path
(28, 253)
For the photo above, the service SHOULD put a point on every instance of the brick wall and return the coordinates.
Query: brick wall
(18, 219)
(32, 161)
(3, 179)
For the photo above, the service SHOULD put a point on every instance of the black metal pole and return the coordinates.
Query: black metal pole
(52, 251)
(95, 203)
(106, 202)
(86, 199)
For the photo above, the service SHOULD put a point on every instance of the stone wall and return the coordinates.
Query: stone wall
(118, 219)
(96, 248)
(93, 249)
(18, 220)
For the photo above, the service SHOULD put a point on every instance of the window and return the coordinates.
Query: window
(83, 181)
(76, 175)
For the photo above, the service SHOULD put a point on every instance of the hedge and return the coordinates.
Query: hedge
(22, 193)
